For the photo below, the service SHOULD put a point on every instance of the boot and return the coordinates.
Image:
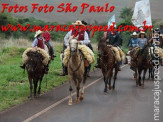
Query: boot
(46, 69)
(64, 72)
(98, 63)
(23, 66)
(118, 65)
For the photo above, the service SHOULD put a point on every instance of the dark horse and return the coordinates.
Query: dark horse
(36, 70)
(142, 64)
(107, 64)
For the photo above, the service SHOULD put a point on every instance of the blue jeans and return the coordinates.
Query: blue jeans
(52, 50)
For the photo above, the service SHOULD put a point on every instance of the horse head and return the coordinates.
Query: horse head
(34, 60)
(148, 52)
(102, 47)
(73, 43)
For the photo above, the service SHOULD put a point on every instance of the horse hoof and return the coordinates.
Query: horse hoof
(81, 98)
(69, 103)
(30, 97)
(110, 87)
(78, 100)
(38, 92)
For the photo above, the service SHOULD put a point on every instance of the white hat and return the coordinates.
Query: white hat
(142, 32)
(38, 33)
(134, 34)
(78, 22)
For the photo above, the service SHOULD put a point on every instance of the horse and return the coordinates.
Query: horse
(77, 71)
(36, 70)
(107, 64)
(142, 64)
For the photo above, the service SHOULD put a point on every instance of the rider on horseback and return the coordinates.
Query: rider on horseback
(82, 39)
(38, 42)
(142, 41)
(47, 38)
(114, 39)
(133, 41)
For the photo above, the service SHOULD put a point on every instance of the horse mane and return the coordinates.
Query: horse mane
(102, 43)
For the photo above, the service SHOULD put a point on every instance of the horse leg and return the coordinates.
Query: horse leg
(30, 82)
(106, 84)
(35, 87)
(150, 73)
(77, 90)
(83, 87)
(136, 76)
(139, 80)
(39, 89)
(70, 89)
(110, 77)
(115, 77)
(144, 76)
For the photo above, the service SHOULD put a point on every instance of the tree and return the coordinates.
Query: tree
(126, 13)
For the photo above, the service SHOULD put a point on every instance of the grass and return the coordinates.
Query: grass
(14, 85)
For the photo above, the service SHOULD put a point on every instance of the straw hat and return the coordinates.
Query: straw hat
(78, 22)
(38, 33)
(134, 34)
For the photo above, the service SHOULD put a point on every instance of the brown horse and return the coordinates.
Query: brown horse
(36, 70)
(76, 71)
(142, 64)
(107, 64)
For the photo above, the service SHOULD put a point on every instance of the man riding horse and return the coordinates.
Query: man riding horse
(83, 39)
(40, 43)
(133, 42)
(112, 39)
(141, 42)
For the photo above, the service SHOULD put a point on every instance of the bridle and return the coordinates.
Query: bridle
(104, 55)
(81, 59)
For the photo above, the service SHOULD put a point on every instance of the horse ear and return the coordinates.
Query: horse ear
(71, 37)
(77, 37)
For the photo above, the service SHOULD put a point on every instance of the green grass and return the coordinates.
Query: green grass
(14, 85)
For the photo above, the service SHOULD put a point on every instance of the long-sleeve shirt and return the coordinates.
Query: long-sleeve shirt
(142, 42)
(133, 42)
(84, 42)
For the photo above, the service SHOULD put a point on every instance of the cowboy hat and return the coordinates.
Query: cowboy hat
(161, 35)
(38, 33)
(142, 32)
(134, 34)
(78, 22)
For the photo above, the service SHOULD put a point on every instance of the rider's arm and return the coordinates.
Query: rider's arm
(66, 43)
(86, 39)
(35, 42)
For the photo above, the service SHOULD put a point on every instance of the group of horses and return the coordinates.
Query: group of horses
(77, 71)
